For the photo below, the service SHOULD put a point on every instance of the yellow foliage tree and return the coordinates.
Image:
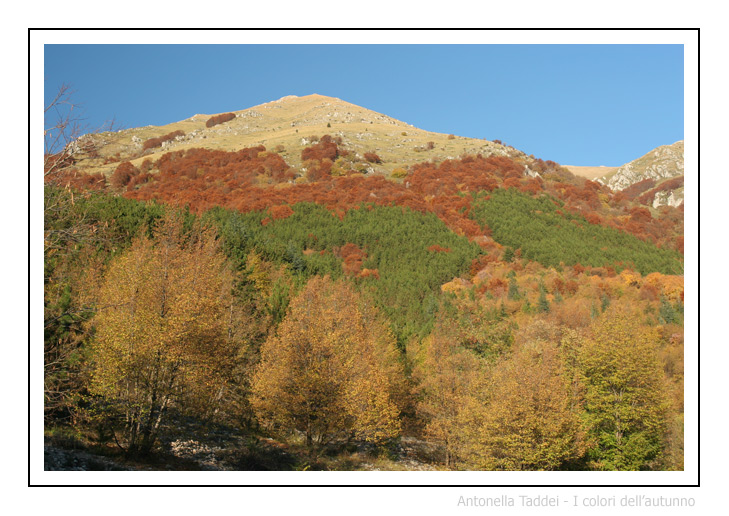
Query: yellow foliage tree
(528, 418)
(163, 335)
(447, 378)
(625, 392)
(331, 370)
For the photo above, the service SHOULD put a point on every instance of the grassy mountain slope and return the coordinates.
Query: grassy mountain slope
(590, 173)
(290, 122)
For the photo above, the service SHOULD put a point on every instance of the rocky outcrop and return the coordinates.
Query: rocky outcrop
(669, 198)
(660, 164)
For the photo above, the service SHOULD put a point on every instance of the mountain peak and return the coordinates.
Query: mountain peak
(290, 123)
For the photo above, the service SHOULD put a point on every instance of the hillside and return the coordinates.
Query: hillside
(288, 124)
(228, 293)
(655, 179)
(590, 173)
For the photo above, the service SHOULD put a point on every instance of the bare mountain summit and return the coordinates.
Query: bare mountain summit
(287, 126)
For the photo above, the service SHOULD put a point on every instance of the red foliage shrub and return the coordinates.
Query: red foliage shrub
(498, 287)
(570, 287)
(319, 170)
(77, 180)
(640, 215)
(438, 249)
(352, 258)
(512, 182)
(326, 149)
(280, 212)
(157, 142)
(480, 263)
(124, 172)
(146, 165)
(593, 218)
(592, 186)
(638, 188)
(372, 157)
(546, 167)
(649, 292)
(671, 184)
(532, 186)
(558, 286)
(204, 178)
(219, 119)
(139, 180)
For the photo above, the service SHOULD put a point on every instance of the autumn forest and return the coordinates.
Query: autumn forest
(486, 312)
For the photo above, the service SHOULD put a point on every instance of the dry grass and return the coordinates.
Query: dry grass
(288, 121)
(590, 172)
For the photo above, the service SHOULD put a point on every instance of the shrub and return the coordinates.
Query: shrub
(438, 249)
(372, 157)
(123, 174)
(399, 173)
(157, 142)
(326, 149)
(146, 166)
(281, 212)
(219, 119)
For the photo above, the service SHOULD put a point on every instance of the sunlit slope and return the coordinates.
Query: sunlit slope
(289, 122)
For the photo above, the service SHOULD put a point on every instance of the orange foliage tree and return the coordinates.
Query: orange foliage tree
(332, 368)
(163, 337)
(446, 376)
(528, 419)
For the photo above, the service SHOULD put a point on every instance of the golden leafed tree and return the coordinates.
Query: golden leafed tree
(447, 378)
(163, 336)
(331, 370)
(528, 419)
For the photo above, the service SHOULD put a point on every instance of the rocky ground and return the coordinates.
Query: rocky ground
(60, 459)
(226, 453)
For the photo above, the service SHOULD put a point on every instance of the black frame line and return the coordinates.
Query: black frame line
(530, 486)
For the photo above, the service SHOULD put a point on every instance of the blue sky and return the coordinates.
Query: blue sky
(574, 104)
